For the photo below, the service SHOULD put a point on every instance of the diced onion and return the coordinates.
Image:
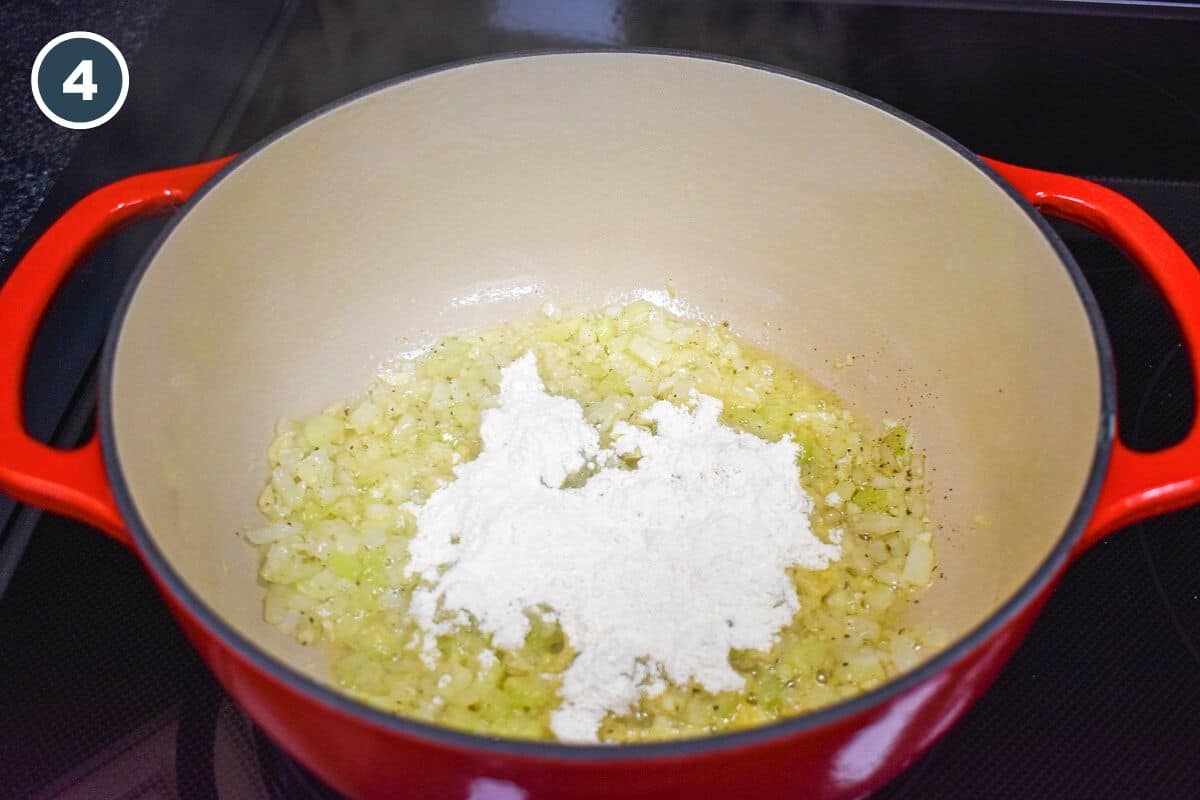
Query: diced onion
(334, 544)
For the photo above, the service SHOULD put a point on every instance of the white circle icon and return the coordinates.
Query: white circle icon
(80, 80)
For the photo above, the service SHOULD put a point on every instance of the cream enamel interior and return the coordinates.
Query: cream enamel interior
(817, 224)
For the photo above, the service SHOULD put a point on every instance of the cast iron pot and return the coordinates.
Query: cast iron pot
(819, 222)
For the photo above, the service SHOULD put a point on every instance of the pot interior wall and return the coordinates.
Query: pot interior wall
(817, 224)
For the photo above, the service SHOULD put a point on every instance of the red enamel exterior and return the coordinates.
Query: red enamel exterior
(848, 756)
(1138, 485)
(70, 482)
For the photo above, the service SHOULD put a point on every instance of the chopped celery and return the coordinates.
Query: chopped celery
(769, 691)
(335, 538)
(615, 382)
(870, 498)
(896, 440)
(344, 565)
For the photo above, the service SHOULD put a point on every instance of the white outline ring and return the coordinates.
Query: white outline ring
(87, 124)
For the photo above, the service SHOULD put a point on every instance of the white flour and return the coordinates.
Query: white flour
(655, 572)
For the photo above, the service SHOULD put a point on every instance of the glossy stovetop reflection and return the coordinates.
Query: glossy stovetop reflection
(102, 697)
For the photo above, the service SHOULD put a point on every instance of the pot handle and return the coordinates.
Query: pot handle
(70, 482)
(1138, 485)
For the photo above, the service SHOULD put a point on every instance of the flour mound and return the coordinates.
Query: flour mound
(654, 573)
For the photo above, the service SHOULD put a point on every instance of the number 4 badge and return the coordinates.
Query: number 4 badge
(80, 80)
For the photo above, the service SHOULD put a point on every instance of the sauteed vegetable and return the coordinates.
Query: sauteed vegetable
(339, 521)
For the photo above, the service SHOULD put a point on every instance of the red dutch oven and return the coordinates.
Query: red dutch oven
(818, 221)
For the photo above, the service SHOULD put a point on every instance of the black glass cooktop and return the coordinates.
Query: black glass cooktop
(100, 696)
